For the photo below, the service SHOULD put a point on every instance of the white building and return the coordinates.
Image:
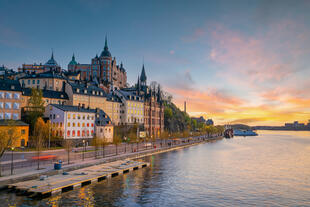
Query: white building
(71, 122)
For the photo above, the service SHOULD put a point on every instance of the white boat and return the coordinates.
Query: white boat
(248, 132)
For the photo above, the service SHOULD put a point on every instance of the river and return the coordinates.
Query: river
(272, 169)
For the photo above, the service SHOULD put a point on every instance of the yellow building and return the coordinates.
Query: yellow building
(21, 131)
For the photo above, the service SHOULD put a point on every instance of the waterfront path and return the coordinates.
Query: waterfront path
(109, 155)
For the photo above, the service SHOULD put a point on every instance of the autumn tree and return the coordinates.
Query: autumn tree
(8, 137)
(35, 107)
(40, 134)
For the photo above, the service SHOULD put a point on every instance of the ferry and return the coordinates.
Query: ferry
(248, 132)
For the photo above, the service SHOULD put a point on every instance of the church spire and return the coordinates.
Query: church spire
(143, 76)
(106, 43)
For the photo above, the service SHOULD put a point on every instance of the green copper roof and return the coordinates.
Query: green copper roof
(73, 62)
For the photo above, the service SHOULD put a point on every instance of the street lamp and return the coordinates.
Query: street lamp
(12, 149)
(83, 148)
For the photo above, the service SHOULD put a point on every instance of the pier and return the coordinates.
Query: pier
(47, 186)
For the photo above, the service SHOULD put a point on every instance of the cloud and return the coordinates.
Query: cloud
(171, 52)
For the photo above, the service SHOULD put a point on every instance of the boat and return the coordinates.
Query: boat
(248, 132)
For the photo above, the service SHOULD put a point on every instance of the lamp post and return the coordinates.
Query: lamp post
(12, 165)
(83, 148)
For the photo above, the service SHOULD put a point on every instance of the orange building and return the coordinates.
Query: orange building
(21, 131)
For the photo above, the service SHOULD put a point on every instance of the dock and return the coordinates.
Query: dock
(47, 186)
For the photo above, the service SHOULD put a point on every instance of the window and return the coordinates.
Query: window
(88, 117)
(92, 125)
(87, 124)
(1, 105)
(8, 105)
(8, 95)
(23, 131)
(57, 124)
(1, 115)
(73, 133)
(68, 133)
(54, 116)
(60, 124)
(1, 95)
(69, 116)
(92, 132)
(73, 116)
(73, 124)
(16, 96)
(83, 124)
(78, 133)
(83, 117)
(33, 81)
(87, 133)
(16, 106)
(7, 115)
(83, 133)
(68, 124)
(79, 116)
(38, 81)
(15, 116)
(28, 82)
(78, 124)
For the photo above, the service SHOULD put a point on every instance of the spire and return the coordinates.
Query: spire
(52, 58)
(73, 62)
(105, 52)
(143, 76)
(106, 43)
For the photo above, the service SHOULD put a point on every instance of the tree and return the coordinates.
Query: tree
(35, 107)
(68, 147)
(8, 136)
(116, 141)
(103, 143)
(96, 144)
(40, 134)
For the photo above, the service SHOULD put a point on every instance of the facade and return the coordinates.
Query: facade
(132, 107)
(103, 126)
(10, 99)
(103, 69)
(71, 122)
(49, 80)
(22, 130)
(153, 106)
(50, 65)
(49, 97)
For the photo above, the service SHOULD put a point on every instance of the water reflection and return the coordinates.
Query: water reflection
(272, 169)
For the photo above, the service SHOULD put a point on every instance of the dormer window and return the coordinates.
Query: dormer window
(85, 91)
(77, 90)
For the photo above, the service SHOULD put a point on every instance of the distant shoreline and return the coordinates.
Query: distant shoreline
(282, 129)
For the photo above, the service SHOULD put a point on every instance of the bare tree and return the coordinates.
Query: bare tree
(68, 146)
(40, 133)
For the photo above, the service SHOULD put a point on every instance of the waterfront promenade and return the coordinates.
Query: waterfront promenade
(107, 155)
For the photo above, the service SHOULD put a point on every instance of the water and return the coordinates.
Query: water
(272, 169)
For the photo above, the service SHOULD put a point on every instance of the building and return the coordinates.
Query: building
(10, 99)
(209, 122)
(49, 80)
(132, 107)
(22, 131)
(103, 69)
(103, 126)
(49, 97)
(71, 122)
(50, 65)
(153, 106)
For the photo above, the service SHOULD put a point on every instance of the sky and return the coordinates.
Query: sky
(232, 61)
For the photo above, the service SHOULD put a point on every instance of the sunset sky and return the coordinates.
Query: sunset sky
(232, 61)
